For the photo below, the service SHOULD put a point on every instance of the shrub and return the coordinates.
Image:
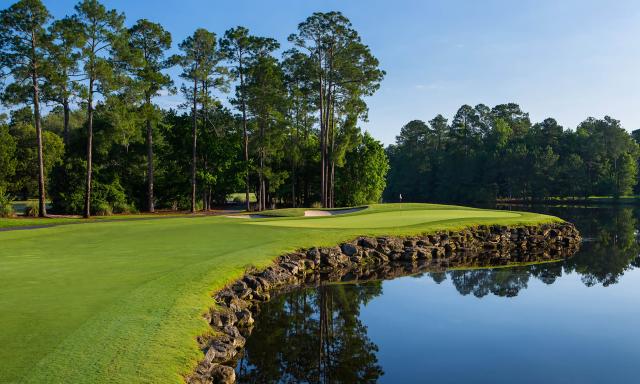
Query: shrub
(102, 208)
(32, 209)
(6, 209)
(122, 207)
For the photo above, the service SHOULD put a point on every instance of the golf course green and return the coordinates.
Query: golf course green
(122, 301)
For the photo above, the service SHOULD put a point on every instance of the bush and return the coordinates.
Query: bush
(6, 209)
(121, 207)
(32, 209)
(102, 208)
(68, 190)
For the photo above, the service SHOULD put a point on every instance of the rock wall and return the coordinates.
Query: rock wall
(367, 258)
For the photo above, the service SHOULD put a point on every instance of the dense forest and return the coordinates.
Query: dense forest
(486, 153)
(83, 129)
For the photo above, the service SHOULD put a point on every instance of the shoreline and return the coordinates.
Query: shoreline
(365, 259)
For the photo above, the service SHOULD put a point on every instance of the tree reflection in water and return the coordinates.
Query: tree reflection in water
(314, 335)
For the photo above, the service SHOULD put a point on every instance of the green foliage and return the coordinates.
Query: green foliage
(363, 179)
(6, 208)
(497, 153)
(23, 49)
(343, 71)
(31, 209)
(8, 159)
(24, 182)
(91, 61)
(67, 190)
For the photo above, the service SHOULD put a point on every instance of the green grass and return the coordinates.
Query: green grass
(50, 221)
(122, 301)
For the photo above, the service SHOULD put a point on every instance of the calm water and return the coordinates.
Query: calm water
(576, 321)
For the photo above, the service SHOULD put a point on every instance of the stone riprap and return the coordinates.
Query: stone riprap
(367, 258)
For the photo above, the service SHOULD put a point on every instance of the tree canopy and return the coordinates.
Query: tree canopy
(489, 153)
(249, 121)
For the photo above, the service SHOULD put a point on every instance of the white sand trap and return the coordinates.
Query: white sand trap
(332, 212)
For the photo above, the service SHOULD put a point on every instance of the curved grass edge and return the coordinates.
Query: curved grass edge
(201, 281)
(231, 314)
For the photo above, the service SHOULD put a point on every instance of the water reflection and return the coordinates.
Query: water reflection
(612, 245)
(313, 336)
(318, 335)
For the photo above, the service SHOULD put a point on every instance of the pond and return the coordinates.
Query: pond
(570, 321)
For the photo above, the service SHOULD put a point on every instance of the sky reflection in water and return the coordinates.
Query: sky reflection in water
(572, 321)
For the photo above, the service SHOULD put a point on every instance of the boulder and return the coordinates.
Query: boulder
(222, 374)
(348, 249)
(368, 242)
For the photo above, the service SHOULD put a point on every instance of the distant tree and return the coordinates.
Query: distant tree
(410, 165)
(241, 49)
(465, 130)
(517, 119)
(61, 87)
(23, 52)
(8, 159)
(149, 42)
(266, 95)
(489, 153)
(344, 72)
(303, 142)
(102, 33)
(24, 182)
(439, 131)
(608, 152)
(199, 61)
(363, 178)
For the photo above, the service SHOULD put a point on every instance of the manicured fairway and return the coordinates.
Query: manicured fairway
(121, 302)
(389, 219)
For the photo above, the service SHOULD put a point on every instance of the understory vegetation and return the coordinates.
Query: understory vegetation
(84, 130)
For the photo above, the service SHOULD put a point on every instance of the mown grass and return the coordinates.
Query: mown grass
(122, 301)
(21, 221)
(298, 212)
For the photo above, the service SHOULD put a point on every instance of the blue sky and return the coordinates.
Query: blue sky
(565, 59)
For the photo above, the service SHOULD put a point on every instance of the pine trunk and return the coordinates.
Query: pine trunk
(87, 193)
(194, 146)
(66, 110)
(42, 202)
(150, 170)
(245, 135)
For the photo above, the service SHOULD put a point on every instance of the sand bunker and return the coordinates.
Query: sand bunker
(332, 212)
(308, 213)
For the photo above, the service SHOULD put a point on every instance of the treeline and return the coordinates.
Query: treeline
(287, 134)
(488, 153)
